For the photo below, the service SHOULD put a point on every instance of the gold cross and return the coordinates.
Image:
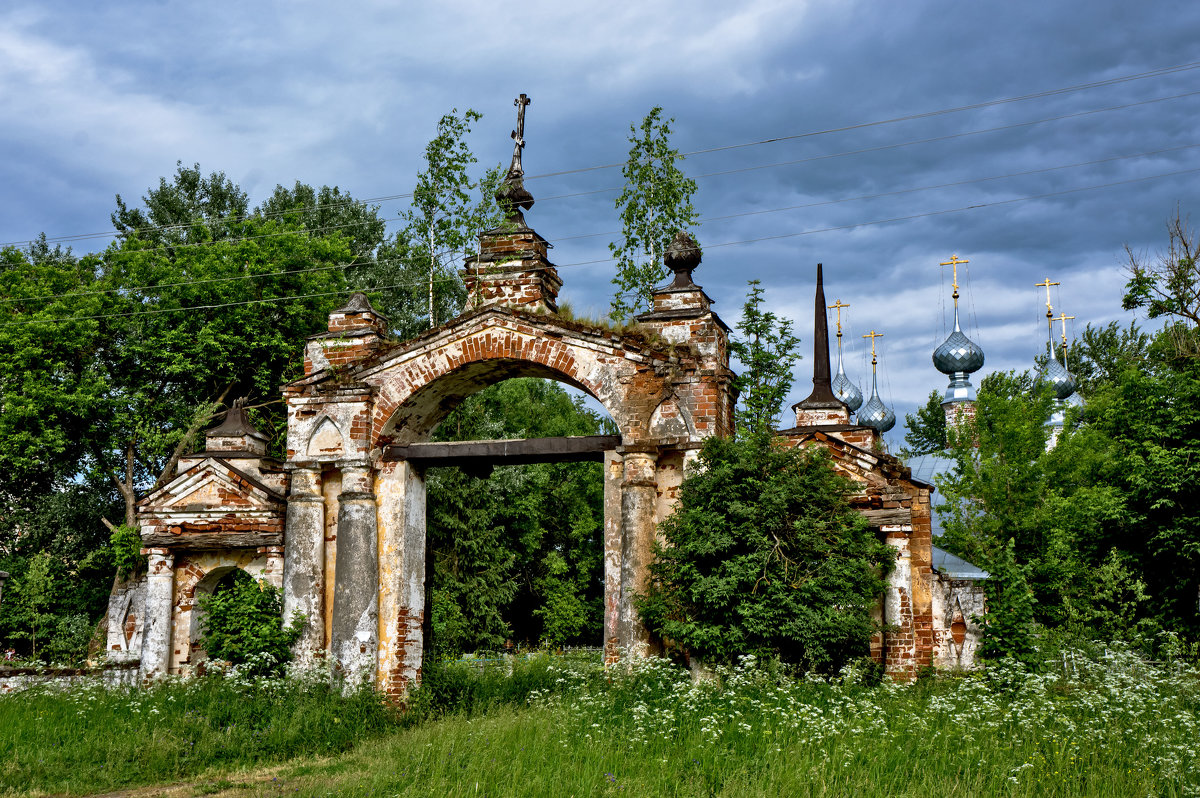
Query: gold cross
(873, 335)
(839, 304)
(955, 262)
(1063, 318)
(1046, 284)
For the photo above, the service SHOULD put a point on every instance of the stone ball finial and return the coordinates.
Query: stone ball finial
(682, 256)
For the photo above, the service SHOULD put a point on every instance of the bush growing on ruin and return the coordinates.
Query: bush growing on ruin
(241, 625)
(765, 556)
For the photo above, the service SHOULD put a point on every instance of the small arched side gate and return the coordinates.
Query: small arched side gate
(355, 528)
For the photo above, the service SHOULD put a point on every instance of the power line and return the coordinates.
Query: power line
(879, 148)
(909, 117)
(1160, 72)
(759, 239)
(711, 219)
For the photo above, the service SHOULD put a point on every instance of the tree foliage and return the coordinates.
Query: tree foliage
(765, 556)
(766, 350)
(1168, 285)
(926, 429)
(1103, 526)
(655, 204)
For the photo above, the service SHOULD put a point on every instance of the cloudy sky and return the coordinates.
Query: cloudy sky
(102, 99)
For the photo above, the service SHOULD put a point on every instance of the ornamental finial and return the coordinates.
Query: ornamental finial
(512, 194)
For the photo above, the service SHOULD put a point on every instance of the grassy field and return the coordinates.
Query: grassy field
(1110, 726)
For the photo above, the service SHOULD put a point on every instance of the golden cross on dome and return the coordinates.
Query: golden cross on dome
(955, 262)
(1049, 308)
(839, 304)
(1046, 284)
(1063, 318)
(873, 335)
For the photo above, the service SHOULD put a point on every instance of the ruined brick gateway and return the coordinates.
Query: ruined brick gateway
(340, 526)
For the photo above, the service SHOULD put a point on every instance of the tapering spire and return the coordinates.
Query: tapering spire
(822, 396)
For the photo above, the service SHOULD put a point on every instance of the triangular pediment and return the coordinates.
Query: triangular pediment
(212, 485)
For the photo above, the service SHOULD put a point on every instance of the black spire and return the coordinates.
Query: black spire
(822, 395)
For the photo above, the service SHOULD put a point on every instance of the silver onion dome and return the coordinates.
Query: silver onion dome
(958, 353)
(845, 390)
(875, 414)
(1061, 381)
(958, 356)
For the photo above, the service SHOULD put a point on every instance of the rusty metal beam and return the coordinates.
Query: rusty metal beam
(484, 454)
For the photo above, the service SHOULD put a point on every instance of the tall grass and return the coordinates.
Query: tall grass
(92, 738)
(1106, 726)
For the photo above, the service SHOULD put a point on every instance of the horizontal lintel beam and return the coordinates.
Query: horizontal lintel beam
(475, 454)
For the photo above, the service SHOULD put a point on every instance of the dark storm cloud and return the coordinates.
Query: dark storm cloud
(104, 99)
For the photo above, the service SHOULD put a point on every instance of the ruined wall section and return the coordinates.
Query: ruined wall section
(224, 510)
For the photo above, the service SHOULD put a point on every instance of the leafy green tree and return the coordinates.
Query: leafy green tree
(449, 209)
(1102, 353)
(32, 596)
(926, 429)
(655, 204)
(189, 208)
(50, 387)
(996, 485)
(765, 556)
(326, 211)
(1008, 627)
(223, 321)
(766, 350)
(240, 624)
(58, 530)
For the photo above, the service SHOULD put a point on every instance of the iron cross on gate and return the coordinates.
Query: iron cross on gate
(518, 136)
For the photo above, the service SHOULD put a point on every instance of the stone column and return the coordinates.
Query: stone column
(400, 492)
(160, 600)
(304, 563)
(639, 497)
(355, 629)
(613, 555)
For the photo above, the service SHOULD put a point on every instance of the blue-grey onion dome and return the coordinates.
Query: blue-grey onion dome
(846, 391)
(1061, 381)
(876, 415)
(958, 353)
(1075, 400)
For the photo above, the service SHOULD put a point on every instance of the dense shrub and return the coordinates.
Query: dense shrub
(242, 625)
(765, 556)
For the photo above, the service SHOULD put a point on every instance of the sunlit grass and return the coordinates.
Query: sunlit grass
(1110, 726)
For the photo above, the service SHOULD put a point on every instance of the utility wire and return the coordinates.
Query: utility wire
(1162, 71)
(776, 237)
(908, 117)
(880, 148)
(705, 220)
